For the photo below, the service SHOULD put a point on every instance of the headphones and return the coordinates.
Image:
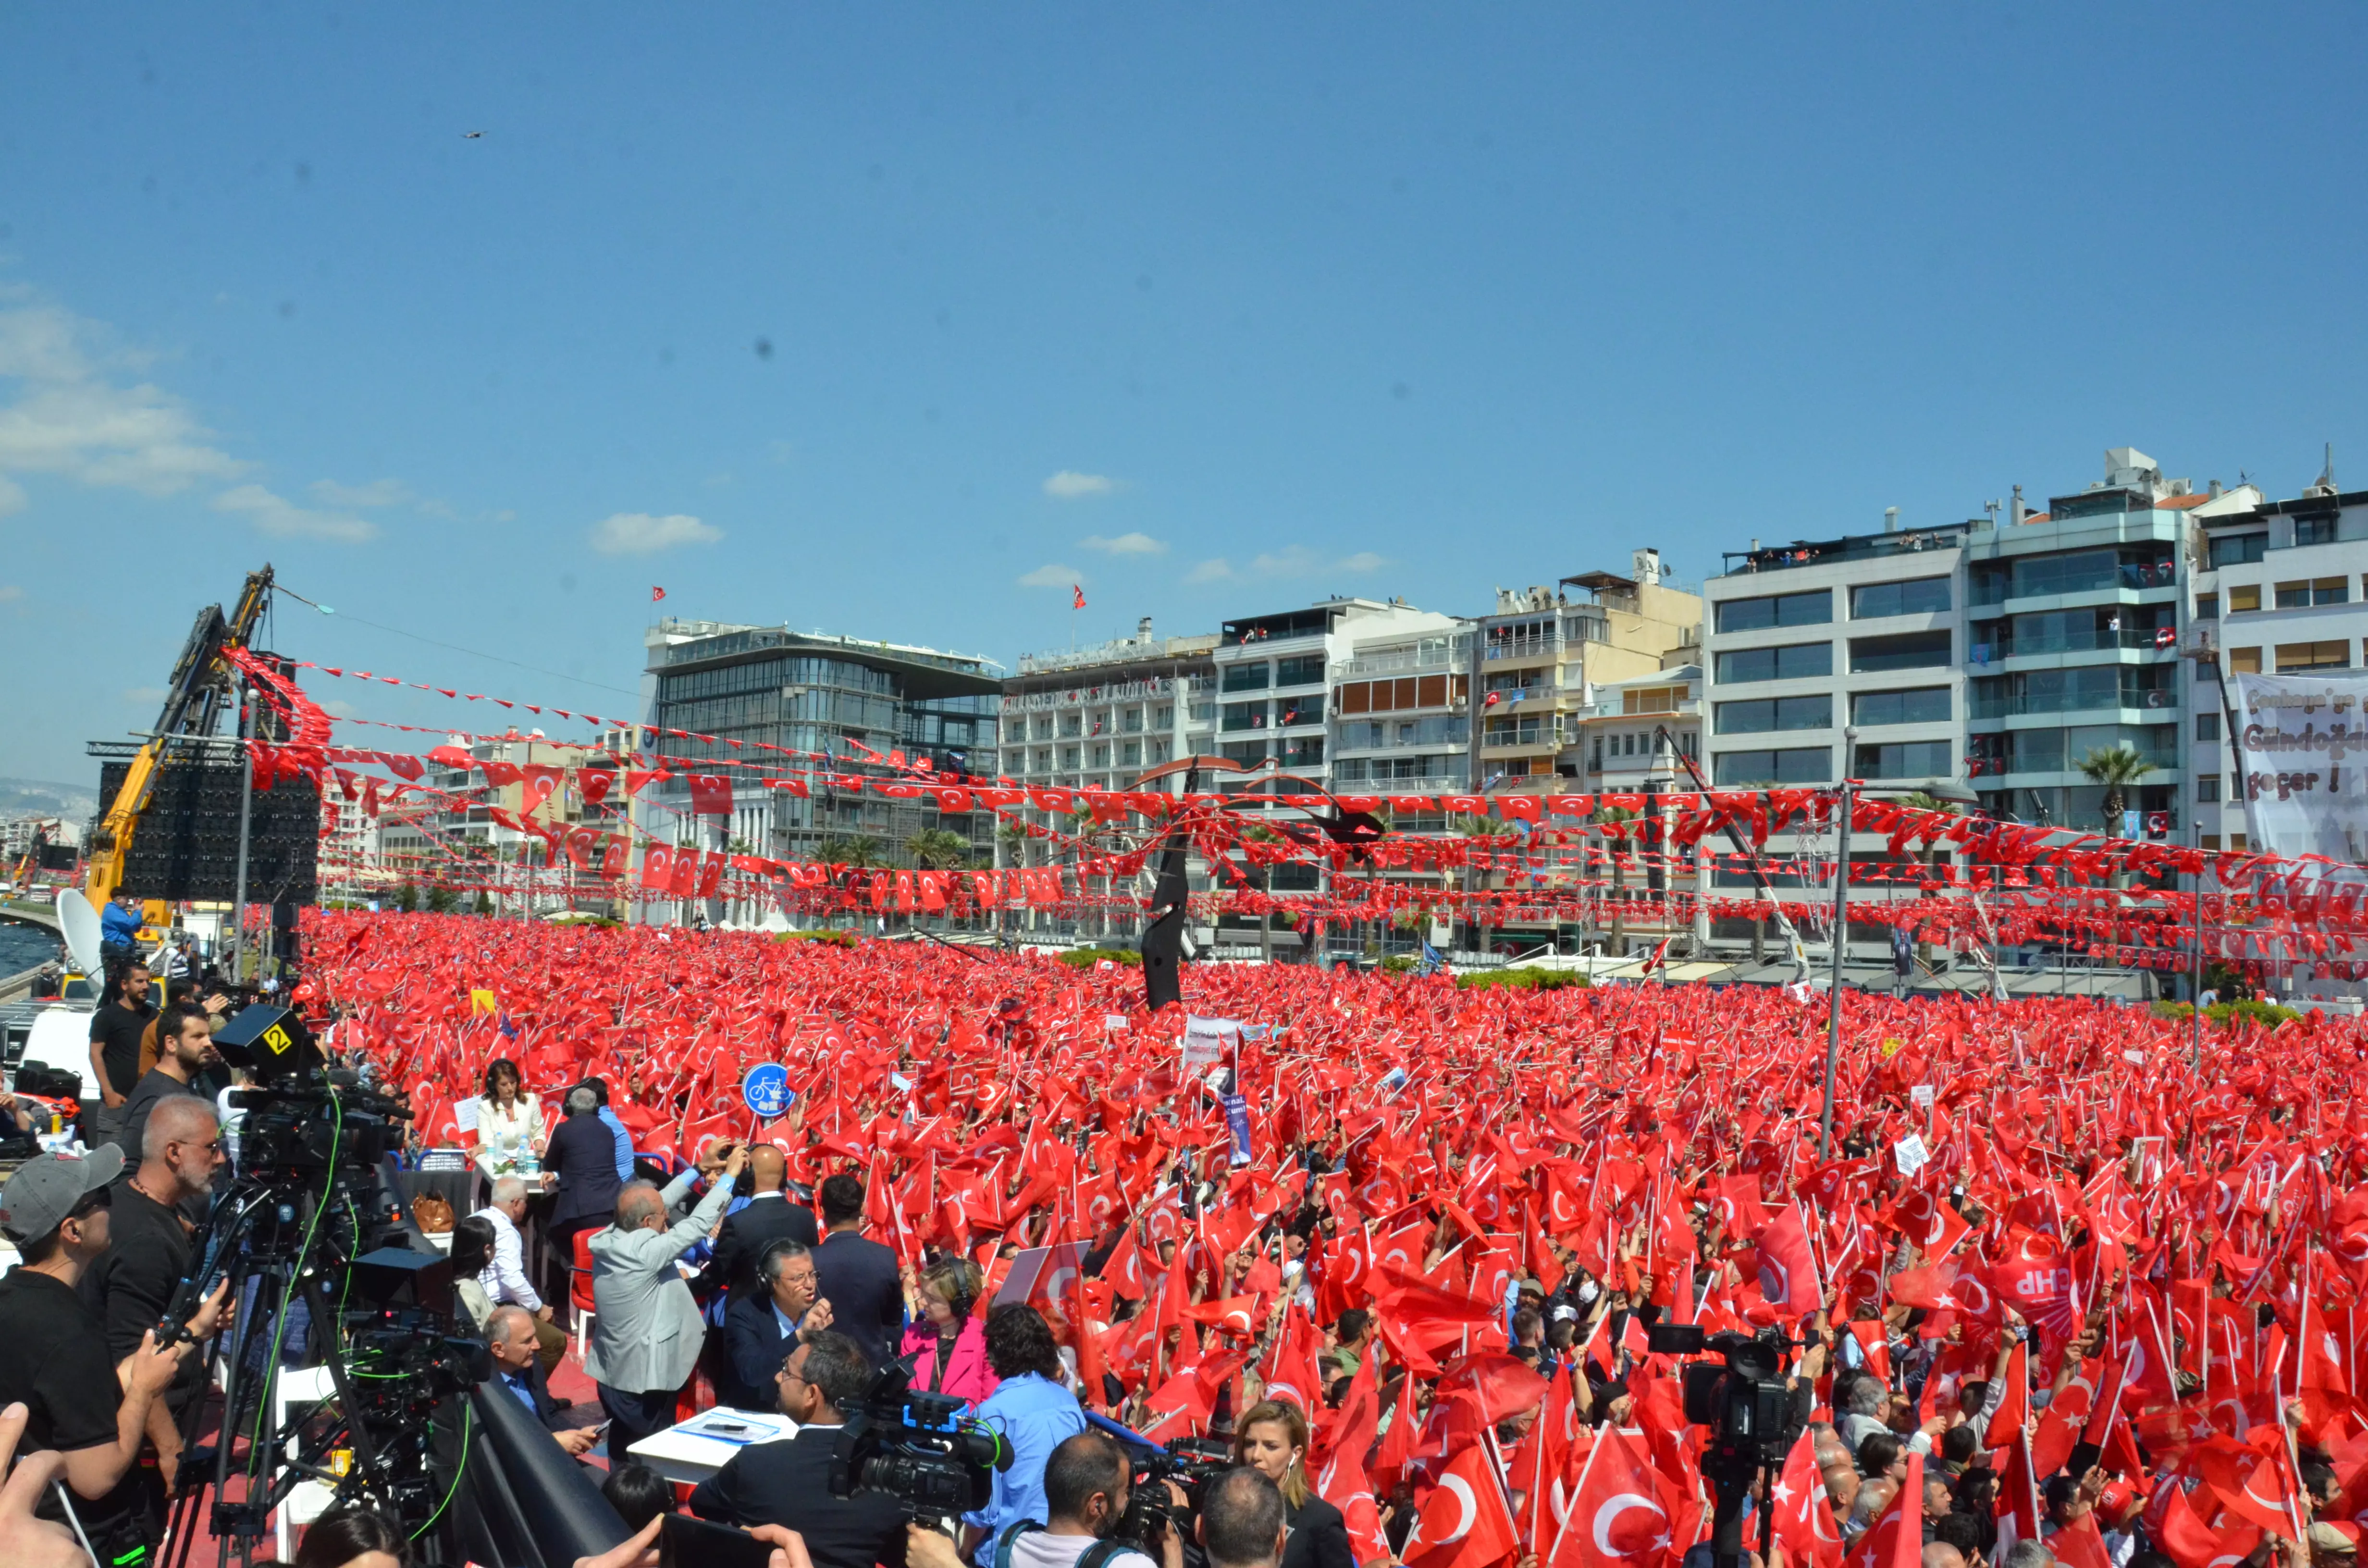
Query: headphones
(961, 1300)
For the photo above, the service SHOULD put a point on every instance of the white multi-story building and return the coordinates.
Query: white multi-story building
(1274, 671)
(2280, 588)
(1097, 718)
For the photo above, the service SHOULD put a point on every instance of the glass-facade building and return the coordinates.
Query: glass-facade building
(845, 699)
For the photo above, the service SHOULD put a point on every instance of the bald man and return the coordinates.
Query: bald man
(646, 1329)
(768, 1215)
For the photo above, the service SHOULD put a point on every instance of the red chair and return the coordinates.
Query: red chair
(579, 1288)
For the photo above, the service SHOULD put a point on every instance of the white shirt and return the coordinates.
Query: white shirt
(1042, 1549)
(505, 1278)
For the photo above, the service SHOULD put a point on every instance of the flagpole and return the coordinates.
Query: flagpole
(1842, 933)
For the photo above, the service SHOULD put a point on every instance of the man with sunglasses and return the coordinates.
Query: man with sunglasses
(80, 1398)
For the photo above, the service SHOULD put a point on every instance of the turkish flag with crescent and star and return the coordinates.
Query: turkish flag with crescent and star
(1620, 1512)
(1466, 1521)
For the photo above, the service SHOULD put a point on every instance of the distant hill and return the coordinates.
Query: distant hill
(40, 798)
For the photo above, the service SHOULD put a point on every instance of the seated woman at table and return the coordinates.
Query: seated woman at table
(472, 1254)
(509, 1120)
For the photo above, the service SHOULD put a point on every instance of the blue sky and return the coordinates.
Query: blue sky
(896, 320)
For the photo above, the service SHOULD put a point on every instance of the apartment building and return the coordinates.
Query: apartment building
(1274, 674)
(1096, 718)
(2279, 586)
(1537, 658)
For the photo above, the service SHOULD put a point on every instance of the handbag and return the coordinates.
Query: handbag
(432, 1212)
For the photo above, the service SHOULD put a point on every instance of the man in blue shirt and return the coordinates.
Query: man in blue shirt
(609, 1120)
(119, 925)
(509, 1335)
(1030, 1408)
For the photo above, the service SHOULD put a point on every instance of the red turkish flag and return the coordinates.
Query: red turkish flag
(1805, 1519)
(1466, 1521)
(1788, 1269)
(1897, 1539)
(656, 594)
(1619, 1513)
(710, 795)
(657, 868)
(1343, 1481)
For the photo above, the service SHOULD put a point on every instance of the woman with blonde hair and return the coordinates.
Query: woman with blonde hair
(949, 1331)
(1271, 1438)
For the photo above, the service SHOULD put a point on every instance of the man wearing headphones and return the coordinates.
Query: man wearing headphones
(761, 1327)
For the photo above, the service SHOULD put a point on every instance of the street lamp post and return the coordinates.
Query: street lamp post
(1841, 941)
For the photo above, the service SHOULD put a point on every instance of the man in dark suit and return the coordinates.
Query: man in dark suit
(509, 1335)
(584, 1151)
(789, 1483)
(857, 1276)
(760, 1327)
(769, 1217)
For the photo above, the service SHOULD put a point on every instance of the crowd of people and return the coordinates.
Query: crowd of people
(2056, 1280)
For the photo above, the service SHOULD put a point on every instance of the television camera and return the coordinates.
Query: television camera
(1752, 1412)
(1152, 1510)
(917, 1449)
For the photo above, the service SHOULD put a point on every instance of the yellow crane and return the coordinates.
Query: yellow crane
(203, 686)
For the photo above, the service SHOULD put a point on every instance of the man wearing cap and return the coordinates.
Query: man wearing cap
(2334, 1543)
(81, 1400)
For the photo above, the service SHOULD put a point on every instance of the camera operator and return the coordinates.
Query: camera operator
(130, 1286)
(1086, 1486)
(54, 1350)
(789, 1483)
(1244, 1521)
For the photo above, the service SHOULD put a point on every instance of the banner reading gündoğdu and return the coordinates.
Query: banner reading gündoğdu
(2302, 757)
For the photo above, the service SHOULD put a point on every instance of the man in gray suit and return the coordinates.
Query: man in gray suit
(646, 1329)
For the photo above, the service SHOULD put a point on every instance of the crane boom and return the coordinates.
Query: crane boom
(194, 699)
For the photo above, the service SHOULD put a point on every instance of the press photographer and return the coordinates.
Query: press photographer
(1087, 1488)
(81, 1399)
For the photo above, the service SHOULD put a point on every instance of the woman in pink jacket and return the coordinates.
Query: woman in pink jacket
(950, 1333)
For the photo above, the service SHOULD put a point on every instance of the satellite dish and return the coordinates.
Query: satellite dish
(80, 923)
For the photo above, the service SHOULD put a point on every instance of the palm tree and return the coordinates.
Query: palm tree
(2116, 768)
(1921, 801)
(855, 849)
(938, 848)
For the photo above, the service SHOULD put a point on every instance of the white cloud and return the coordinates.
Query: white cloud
(1126, 544)
(1070, 485)
(1292, 560)
(339, 708)
(71, 417)
(640, 533)
(378, 493)
(1054, 575)
(146, 696)
(282, 518)
(10, 593)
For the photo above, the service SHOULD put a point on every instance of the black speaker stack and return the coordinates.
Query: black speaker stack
(185, 846)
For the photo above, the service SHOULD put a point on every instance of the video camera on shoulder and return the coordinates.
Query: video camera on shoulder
(1191, 1463)
(917, 1449)
(1745, 1402)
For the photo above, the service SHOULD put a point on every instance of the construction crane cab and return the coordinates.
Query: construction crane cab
(203, 690)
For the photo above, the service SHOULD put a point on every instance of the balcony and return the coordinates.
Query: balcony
(2141, 639)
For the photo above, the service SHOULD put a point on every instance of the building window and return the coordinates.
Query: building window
(1302, 669)
(1917, 596)
(1130, 753)
(1248, 753)
(1043, 759)
(1201, 712)
(1245, 715)
(2245, 598)
(2294, 657)
(1069, 757)
(2244, 660)
(2314, 531)
(1652, 699)
(2292, 595)
(1908, 651)
(1763, 714)
(2330, 590)
(1308, 709)
(1130, 722)
(1303, 752)
(1349, 770)
(1795, 765)
(1041, 727)
(1790, 661)
(1916, 705)
(2207, 726)
(1248, 677)
(2207, 789)
(1906, 759)
(1073, 725)
(1814, 609)
(2237, 549)
(2207, 607)
(1156, 750)
(1163, 715)
(1101, 754)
